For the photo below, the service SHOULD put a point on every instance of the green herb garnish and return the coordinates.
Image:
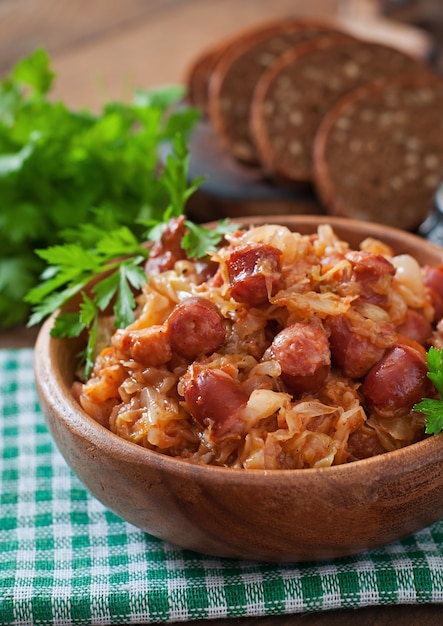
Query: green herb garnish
(111, 262)
(61, 168)
(433, 408)
(198, 240)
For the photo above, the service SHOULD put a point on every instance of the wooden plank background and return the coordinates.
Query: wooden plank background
(103, 49)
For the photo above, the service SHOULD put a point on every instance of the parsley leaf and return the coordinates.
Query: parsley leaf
(433, 408)
(70, 176)
(85, 192)
(199, 240)
(73, 267)
(106, 266)
(35, 72)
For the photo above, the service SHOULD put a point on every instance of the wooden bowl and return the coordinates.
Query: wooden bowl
(276, 515)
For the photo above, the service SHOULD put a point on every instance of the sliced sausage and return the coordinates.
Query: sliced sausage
(214, 397)
(433, 281)
(302, 350)
(166, 252)
(195, 328)
(416, 326)
(352, 353)
(149, 346)
(369, 267)
(364, 443)
(254, 273)
(397, 382)
(373, 273)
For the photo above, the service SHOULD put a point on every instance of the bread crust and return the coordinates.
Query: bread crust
(297, 91)
(378, 154)
(198, 75)
(233, 79)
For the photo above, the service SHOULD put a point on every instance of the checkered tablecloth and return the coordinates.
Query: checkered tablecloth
(65, 559)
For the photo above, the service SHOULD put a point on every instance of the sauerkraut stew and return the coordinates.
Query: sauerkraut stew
(278, 351)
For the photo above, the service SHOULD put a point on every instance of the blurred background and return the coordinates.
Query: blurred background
(102, 49)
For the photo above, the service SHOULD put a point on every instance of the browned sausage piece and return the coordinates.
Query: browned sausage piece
(364, 443)
(433, 281)
(195, 328)
(373, 273)
(254, 273)
(352, 353)
(302, 350)
(212, 396)
(168, 250)
(416, 326)
(397, 381)
(149, 346)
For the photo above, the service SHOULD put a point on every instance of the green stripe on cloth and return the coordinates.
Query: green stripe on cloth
(65, 559)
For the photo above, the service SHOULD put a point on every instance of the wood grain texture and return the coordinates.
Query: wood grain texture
(27, 24)
(105, 49)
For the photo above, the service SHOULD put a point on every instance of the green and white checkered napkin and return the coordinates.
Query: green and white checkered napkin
(65, 559)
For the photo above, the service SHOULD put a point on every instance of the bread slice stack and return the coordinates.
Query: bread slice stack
(281, 96)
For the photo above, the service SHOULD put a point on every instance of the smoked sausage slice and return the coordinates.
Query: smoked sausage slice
(149, 346)
(416, 326)
(353, 353)
(166, 252)
(212, 396)
(397, 381)
(303, 352)
(195, 328)
(254, 273)
(433, 281)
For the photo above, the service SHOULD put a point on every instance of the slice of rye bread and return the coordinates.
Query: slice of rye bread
(294, 95)
(235, 75)
(199, 72)
(197, 77)
(378, 154)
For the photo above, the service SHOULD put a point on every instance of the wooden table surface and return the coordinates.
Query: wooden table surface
(103, 49)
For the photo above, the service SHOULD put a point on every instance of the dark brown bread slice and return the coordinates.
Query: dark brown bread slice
(378, 155)
(198, 75)
(294, 95)
(200, 70)
(237, 72)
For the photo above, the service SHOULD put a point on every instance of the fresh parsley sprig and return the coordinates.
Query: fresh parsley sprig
(60, 168)
(71, 268)
(199, 240)
(431, 407)
(106, 267)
